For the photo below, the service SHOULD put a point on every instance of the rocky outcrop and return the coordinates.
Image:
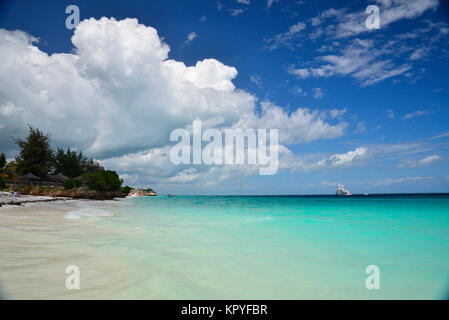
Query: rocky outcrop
(7, 198)
(141, 193)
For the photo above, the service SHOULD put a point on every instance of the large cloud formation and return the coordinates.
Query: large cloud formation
(118, 94)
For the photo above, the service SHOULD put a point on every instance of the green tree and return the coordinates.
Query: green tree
(76, 183)
(10, 171)
(113, 181)
(105, 180)
(2, 166)
(69, 163)
(91, 165)
(73, 164)
(2, 160)
(36, 155)
(69, 184)
(126, 189)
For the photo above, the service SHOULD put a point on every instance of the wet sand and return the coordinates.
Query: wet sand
(37, 244)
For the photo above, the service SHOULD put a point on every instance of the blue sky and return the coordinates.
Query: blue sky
(375, 100)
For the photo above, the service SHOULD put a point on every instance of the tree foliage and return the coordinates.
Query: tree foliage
(73, 164)
(68, 163)
(77, 183)
(36, 155)
(2, 161)
(106, 180)
(10, 171)
(69, 184)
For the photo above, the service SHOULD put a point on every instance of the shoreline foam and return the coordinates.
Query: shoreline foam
(39, 242)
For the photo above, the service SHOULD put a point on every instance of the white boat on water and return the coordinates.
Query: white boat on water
(341, 191)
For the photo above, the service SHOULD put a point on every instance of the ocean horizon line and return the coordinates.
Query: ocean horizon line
(316, 195)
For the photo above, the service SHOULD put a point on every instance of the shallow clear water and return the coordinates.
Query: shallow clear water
(251, 248)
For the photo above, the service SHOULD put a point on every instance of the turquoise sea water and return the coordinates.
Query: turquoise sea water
(220, 247)
(278, 247)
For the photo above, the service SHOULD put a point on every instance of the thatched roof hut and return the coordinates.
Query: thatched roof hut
(29, 176)
(58, 178)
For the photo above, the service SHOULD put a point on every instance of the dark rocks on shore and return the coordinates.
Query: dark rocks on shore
(77, 193)
(20, 201)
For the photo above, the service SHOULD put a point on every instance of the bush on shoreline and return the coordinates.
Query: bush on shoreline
(126, 189)
(76, 183)
(69, 184)
(103, 181)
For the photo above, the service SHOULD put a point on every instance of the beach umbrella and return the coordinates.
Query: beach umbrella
(29, 176)
(58, 177)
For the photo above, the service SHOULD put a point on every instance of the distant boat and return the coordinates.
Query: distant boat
(171, 195)
(341, 191)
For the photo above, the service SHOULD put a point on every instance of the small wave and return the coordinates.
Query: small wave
(87, 212)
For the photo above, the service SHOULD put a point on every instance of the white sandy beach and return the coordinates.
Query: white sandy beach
(39, 240)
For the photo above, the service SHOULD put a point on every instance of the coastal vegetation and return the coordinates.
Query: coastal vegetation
(69, 184)
(69, 172)
(36, 155)
(105, 180)
(3, 163)
(8, 170)
(36, 159)
(149, 190)
(73, 164)
(126, 189)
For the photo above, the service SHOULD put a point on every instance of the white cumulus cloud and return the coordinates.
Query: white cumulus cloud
(118, 96)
